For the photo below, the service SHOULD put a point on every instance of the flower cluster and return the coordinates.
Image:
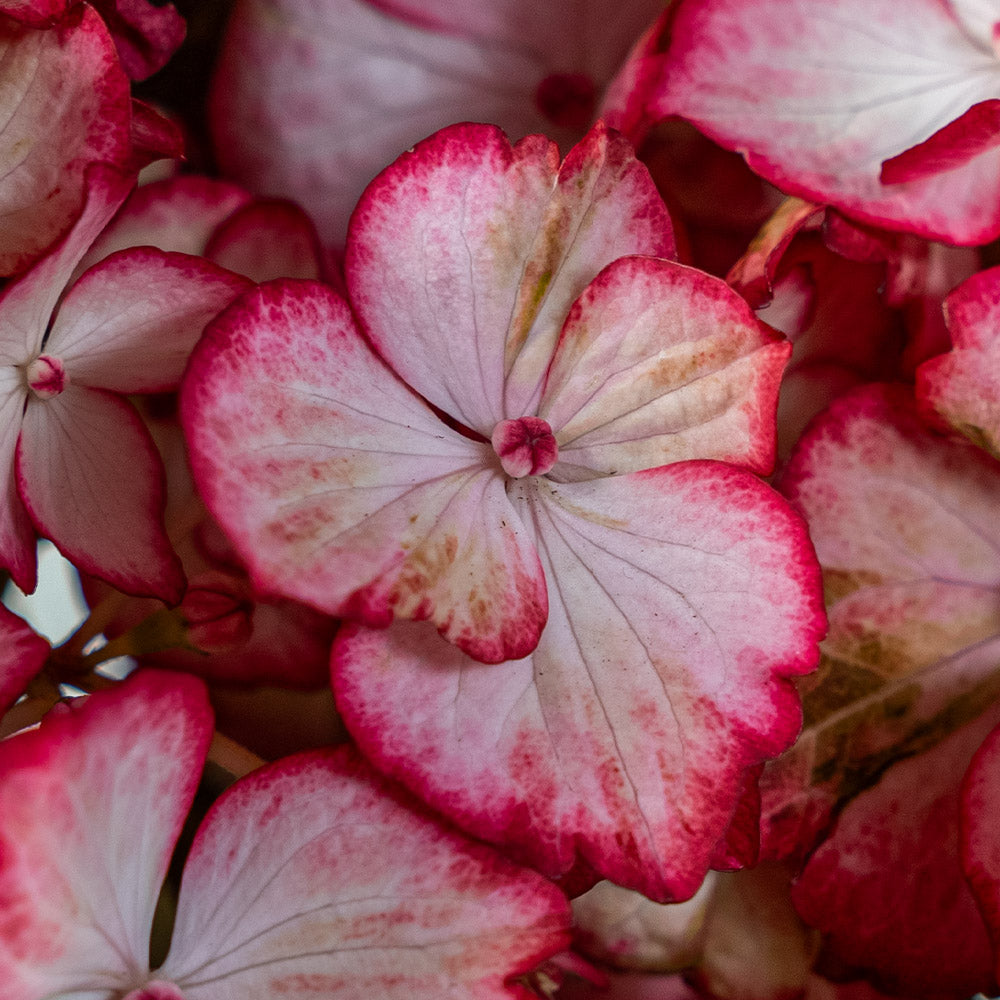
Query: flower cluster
(542, 463)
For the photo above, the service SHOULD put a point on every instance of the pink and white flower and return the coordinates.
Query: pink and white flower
(296, 869)
(647, 604)
(76, 464)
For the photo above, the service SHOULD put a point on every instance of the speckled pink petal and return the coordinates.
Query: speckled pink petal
(515, 239)
(130, 322)
(317, 878)
(93, 483)
(65, 104)
(660, 363)
(38, 13)
(22, 654)
(818, 96)
(963, 386)
(886, 889)
(341, 488)
(91, 805)
(681, 601)
(905, 527)
(146, 35)
(979, 844)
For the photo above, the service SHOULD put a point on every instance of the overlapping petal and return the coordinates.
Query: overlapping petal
(963, 386)
(91, 805)
(22, 656)
(310, 101)
(141, 343)
(681, 600)
(904, 523)
(819, 95)
(92, 480)
(65, 104)
(466, 298)
(316, 877)
(894, 855)
(661, 363)
(340, 487)
(979, 845)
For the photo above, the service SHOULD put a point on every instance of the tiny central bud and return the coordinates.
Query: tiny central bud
(46, 376)
(525, 447)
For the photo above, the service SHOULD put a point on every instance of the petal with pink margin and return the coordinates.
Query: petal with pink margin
(269, 238)
(660, 363)
(67, 105)
(818, 96)
(682, 600)
(963, 386)
(17, 534)
(130, 322)
(178, 214)
(886, 888)
(92, 481)
(146, 35)
(37, 13)
(23, 654)
(979, 845)
(91, 805)
(466, 300)
(304, 866)
(341, 488)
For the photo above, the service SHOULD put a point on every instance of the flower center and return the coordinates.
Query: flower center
(525, 447)
(46, 376)
(567, 99)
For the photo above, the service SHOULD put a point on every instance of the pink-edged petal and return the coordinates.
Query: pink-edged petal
(93, 483)
(681, 600)
(904, 523)
(886, 889)
(177, 214)
(65, 104)
(316, 877)
(146, 35)
(22, 654)
(979, 845)
(91, 805)
(26, 305)
(660, 363)
(268, 239)
(339, 487)
(37, 13)
(817, 96)
(963, 386)
(155, 136)
(17, 535)
(130, 323)
(466, 300)
(975, 132)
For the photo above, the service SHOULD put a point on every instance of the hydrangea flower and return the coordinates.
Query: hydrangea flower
(76, 464)
(514, 492)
